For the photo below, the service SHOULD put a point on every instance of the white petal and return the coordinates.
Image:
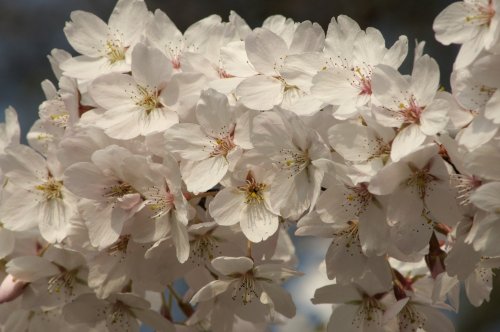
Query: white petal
(407, 141)
(257, 223)
(210, 291)
(308, 37)
(112, 90)
(334, 86)
(265, 50)
(425, 80)
(491, 111)
(188, 140)
(281, 300)
(214, 114)
(389, 86)
(86, 33)
(227, 206)
(335, 294)
(54, 221)
(389, 178)
(153, 319)
(435, 117)
(232, 265)
(150, 67)
(487, 197)
(181, 241)
(7, 242)
(260, 92)
(204, 174)
(31, 268)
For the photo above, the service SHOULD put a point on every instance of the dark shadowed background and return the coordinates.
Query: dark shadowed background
(30, 29)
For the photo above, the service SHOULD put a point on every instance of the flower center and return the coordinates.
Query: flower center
(114, 50)
(410, 319)
(120, 246)
(411, 112)
(362, 81)
(481, 15)
(253, 191)
(246, 288)
(347, 236)
(147, 99)
(119, 190)
(62, 281)
(359, 196)
(293, 161)
(51, 189)
(223, 144)
(161, 202)
(203, 247)
(421, 180)
(465, 185)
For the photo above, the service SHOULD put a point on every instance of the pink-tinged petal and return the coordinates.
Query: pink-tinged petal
(150, 67)
(11, 288)
(232, 265)
(31, 268)
(260, 92)
(203, 175)
(211, 290)
(425, 80)
(86, 33)
(188, 141)
(257, 223)
(336, 294)
(266, 51)
(487, 197)
(408, 140)
(227, 206)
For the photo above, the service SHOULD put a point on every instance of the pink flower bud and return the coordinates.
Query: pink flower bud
(11, 289)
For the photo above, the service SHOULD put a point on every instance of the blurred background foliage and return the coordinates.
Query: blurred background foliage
(30, 29)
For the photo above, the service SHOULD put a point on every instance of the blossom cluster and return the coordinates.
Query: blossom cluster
(163, 157)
